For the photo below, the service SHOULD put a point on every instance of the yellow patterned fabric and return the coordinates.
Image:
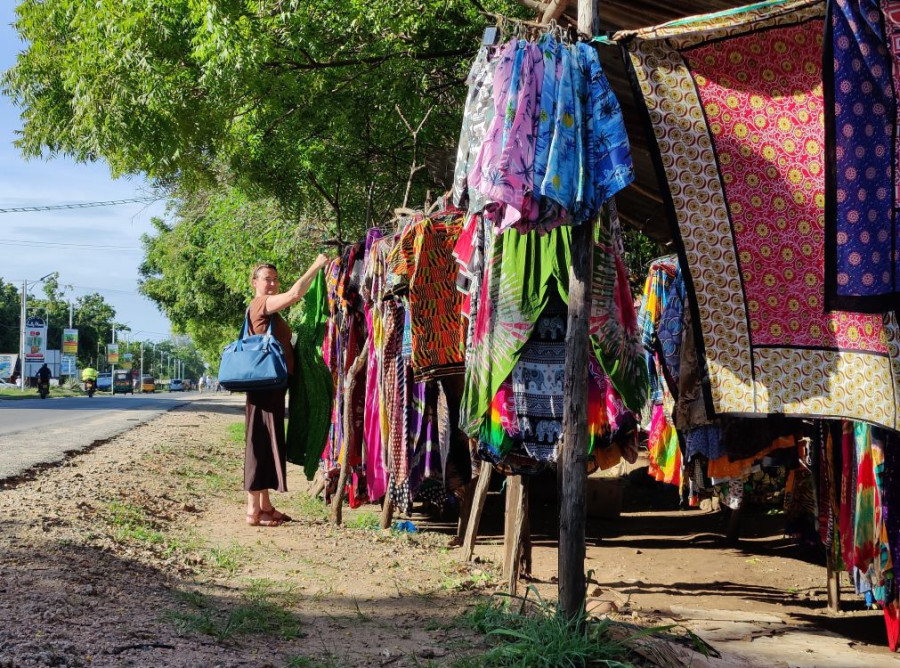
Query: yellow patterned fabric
(736, 105)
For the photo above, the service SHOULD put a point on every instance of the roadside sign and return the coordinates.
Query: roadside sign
(70, 342)
(67, 365)
(35, 339)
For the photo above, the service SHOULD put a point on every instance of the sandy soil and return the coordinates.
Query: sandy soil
(136, 554)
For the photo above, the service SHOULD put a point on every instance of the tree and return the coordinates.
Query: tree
(197, 268)
(294, 100)
(276, 124)
(10, 314)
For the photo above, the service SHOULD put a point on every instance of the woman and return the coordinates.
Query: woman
(265, 457)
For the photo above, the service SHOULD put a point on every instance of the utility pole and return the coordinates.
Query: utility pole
(112, 375)
(22, 318)
(22, 337)
(141, 377)
(571, 470)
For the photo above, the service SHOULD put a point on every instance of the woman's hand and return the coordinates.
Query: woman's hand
(321, 261)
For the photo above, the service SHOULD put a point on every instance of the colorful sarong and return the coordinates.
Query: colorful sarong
(735, 103)
(862, 190)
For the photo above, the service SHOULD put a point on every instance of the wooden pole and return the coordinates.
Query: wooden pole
(352, 376)
(513, 534)
(481, 490)
(834, 582)
(387, 512)
(571, 469)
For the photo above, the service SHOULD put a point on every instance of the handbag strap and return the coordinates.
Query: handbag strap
(245, 329)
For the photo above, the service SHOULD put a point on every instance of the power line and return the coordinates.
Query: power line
(58, 244)
(80, 205)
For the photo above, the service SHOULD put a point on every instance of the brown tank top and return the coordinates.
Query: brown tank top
(259, 322)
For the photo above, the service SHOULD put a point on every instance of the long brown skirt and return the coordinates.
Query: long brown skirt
(265, 459)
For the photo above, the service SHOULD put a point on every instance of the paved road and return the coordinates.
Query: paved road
(35, 431)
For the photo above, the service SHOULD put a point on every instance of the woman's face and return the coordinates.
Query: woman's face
(266, 282)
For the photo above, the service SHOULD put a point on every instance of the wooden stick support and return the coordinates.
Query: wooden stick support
(465, 511)
(834, 582)
(318, 484)
(514, 533)
(481, 490)
(337, 503)
(387, 512)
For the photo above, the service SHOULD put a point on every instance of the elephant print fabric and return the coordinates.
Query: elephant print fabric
(537, 382)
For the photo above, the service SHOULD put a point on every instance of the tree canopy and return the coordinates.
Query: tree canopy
(275, 124)
(297, 101)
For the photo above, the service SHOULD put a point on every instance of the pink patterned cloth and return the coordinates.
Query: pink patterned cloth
(504, 167)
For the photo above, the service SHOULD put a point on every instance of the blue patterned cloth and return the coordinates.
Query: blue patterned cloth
(671, 328)
(561, 180)
(547, 114)
(609, 164)
(705, 440)
(861, 209)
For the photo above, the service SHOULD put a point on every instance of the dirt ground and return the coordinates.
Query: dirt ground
(136, 554)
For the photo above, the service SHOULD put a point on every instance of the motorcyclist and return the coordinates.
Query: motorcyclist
(43, 380)
(43, 374)
(89, 373)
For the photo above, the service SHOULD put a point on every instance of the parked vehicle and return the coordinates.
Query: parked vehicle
(176, 385)
(104, 381)
(148, 384)
(122, 383)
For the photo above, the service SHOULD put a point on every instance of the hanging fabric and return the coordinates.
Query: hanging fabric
(862, 189)
(735, 104)
(311, 390)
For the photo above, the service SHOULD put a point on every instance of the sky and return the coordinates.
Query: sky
(37, 243)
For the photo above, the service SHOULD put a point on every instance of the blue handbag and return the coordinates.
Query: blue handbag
(253, 362)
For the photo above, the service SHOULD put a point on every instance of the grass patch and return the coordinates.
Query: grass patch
(237, 432)
(540, 637)
(32, 393)
(129, 522)
(309, 662)
(230, 558)
(364, 520)
(264, 609)
(305, 507)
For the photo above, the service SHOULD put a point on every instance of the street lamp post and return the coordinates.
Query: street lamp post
(23, 318)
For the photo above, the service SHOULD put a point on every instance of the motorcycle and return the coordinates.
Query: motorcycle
(44, 388)
(90, 386)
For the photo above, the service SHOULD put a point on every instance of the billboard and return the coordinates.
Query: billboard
(126, 361)
(67, 365)
(35, 339)
(112, 353)
(70, 342)
(7, 365)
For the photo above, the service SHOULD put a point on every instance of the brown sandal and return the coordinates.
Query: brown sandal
(277, 515)
(257, 520)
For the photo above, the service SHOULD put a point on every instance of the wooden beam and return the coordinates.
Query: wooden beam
(554, 10)
(481, 490)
